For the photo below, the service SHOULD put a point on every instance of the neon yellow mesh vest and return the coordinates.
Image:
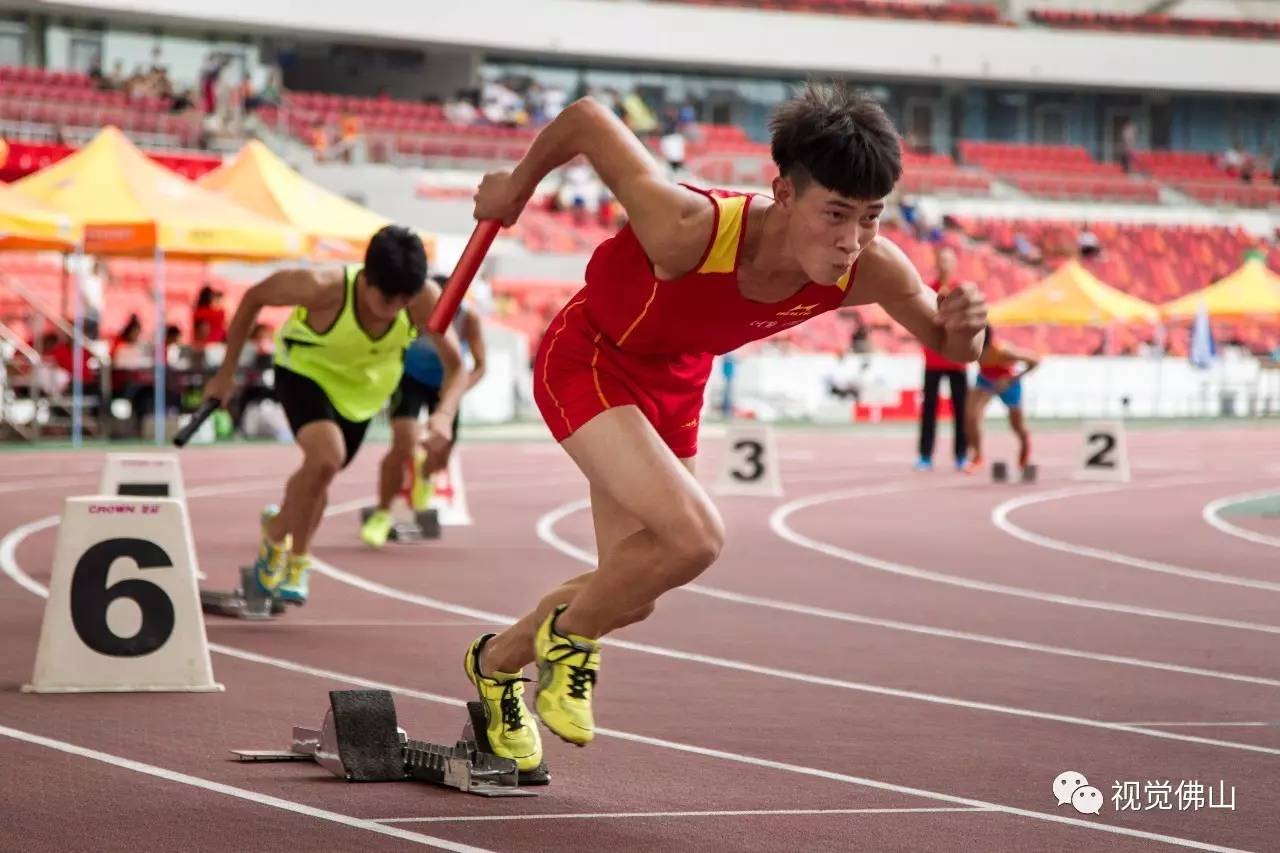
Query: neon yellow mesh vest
(356, 371)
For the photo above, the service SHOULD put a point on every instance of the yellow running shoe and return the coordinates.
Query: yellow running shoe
(568, 666)
(376, 529)
(512, 733)
(293, 589)
(423, 488)
(270, 566)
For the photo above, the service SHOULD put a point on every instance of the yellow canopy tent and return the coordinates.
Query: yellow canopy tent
(130, 205)
(28, 226)
(1071, 296)
(259, 180)
(1251, 291)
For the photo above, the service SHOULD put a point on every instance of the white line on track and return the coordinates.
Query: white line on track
(736, 813)
(1212, 514)
(547, 533)
(329, 570)
(1000, 518)
(1224, 725)
(778, 521)
(8, 547)
(254, 797)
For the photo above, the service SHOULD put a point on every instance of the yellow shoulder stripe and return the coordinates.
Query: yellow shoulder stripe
(724, 248)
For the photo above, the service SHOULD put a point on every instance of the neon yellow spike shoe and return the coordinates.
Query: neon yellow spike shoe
(511, 730)
(293, 589)
(568, 666)
(376, 529)
(422, 487)
(273, 557)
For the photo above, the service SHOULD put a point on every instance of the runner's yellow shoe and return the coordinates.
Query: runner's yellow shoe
(422, 487)
(293, 589)
(568, 666)
(376, 529)
(269, 568)
(512, 732)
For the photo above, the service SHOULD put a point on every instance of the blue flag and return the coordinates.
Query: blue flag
(1203, 348)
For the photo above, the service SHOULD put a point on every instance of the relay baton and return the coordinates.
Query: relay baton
(468, 265)
(207, 408)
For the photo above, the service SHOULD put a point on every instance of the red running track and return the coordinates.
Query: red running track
(872, 664)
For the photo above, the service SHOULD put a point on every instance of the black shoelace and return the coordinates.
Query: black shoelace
(579, 679)
(512, 713)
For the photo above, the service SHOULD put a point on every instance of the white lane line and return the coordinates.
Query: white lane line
(778, 522)
(547, 533)
(1000, 518)
(33, 484)
(11, 568)
(737, 813)
(14, 571)
(1212, 515)
(1198, 725)
(255, 797)
(332, 571)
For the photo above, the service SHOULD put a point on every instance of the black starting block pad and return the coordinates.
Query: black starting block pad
(359, 741)
(244, 602)
(422, 525)
(1000, 473)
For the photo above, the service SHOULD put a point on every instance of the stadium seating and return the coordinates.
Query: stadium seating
(956, 13)
(1200, 176)
(70, 100)
(1160, 24)
(1058, 171)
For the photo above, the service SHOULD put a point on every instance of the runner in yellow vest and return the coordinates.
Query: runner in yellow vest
(338, 359)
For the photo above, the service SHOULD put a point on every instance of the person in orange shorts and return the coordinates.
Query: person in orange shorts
(1000, 370)
(620, 374)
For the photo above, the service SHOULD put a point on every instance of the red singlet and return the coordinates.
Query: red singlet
(627, 338)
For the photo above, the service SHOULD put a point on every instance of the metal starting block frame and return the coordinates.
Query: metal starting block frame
(424, 524)
(1000, 472)
(245, 602)
(359, 741)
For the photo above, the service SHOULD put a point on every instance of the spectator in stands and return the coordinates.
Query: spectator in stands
(126, 349)
(60, 352)
(1128, 144)
(936, 367)
(1087, 242)
(461, 111)
(860, 338)
(209, 310)
(174, 357)
(1028, 251)
(1275, 167)
(118, 78)
(672, 143)
(93, 283)
(96, 76)
(1232, 159)
(553, 102)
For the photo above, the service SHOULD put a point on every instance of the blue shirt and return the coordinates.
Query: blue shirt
(422, 362)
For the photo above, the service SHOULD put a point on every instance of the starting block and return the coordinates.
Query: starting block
(360, 741)
(408, 525)
(244, 602)
(1000, 472)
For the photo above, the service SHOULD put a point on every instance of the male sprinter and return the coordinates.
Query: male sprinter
(419, 386)
(998, 377)
(338, 358)
(619, 376)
